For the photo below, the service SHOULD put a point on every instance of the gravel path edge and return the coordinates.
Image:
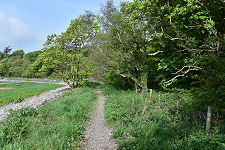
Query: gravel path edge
(32, 102)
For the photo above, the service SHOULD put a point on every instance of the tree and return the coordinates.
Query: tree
(190, 35)
(6, 51)
(5, 64)
(32, 56)
(16, 69)
(123, 46)
(18, 53)
(1, 55)
(185, 30)
(67, 53)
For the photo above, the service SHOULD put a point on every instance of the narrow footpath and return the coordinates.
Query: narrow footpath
(97, 134)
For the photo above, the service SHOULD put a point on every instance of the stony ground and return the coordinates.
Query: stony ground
(32, 102)
(97, 134)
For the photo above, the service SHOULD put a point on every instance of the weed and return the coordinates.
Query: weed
(19, 100)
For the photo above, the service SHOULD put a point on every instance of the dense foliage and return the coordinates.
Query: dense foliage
(141, 44)
(19, 64)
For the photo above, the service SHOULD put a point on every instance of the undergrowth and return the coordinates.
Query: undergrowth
(141, 123)
(58, 125)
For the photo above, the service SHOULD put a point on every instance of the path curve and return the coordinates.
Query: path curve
(97, 134)
(32, 102)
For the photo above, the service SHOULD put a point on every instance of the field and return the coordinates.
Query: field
(56, 125)
(142, 122)
(17, 91)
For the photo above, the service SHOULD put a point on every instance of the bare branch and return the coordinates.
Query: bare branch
(172, 38)
(153, 54)
(190, 67)
(131, 77)
(183, 73)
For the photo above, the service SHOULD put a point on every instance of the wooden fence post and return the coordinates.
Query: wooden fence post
(148, 101)
(208, 121)
(136, 89)
(217, 115)
(150, 95)
(177, 106)
(159, 100)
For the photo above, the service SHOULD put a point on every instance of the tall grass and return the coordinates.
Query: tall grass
(142, 123)
(58, 125)
(24, 90)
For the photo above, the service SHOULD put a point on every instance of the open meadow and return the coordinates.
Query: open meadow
(17, 91)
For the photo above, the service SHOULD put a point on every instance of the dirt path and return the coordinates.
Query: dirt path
(97, 134)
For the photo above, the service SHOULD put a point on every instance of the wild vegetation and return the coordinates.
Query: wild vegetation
(143, 122)
(56, 125)
(18, 91)
(174, 46)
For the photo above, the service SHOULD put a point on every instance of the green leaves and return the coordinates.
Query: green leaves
(67, 53)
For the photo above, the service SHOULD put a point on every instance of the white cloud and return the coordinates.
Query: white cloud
(12, 28)
(15, 32)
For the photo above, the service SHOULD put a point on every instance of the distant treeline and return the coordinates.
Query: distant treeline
(19, 64)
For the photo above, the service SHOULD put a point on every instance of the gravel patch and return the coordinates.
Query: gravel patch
(32, 102)
(97, 134)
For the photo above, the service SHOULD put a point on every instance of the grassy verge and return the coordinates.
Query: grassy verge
(141, 123)
(10, 91)
(56, 125)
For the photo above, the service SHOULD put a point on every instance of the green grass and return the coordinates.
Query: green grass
(26, 89)
(58, 125)
(157, 128)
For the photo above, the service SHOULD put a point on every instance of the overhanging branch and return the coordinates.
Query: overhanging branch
(182, 72)
(153, 54)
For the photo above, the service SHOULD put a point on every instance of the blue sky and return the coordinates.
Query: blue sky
(25, 24)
